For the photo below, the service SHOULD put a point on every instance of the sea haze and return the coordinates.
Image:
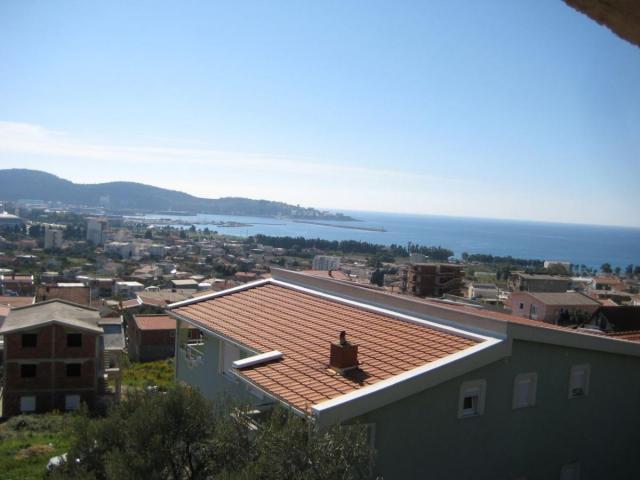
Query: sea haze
(591, 245)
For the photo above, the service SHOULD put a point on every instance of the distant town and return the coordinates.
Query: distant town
(94, 307)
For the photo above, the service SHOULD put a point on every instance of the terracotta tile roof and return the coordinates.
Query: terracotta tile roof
(15, 302)
(154, 322)
(18, 279)
(79, 295)
(133, 303)
(302, 325)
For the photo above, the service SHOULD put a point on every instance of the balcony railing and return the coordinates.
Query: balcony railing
(193, 353)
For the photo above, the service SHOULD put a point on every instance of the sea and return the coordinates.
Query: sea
(590, 245)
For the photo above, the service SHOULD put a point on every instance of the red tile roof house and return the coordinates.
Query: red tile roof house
(57, 355)
(153, 337)
(447, 391)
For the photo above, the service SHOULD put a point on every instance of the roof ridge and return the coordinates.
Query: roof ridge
(58, 300)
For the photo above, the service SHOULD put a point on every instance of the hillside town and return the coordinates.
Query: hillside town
(335, 336)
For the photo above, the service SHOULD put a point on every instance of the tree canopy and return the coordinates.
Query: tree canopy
(180, 435)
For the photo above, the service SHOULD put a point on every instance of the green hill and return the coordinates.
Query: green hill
(130, 196)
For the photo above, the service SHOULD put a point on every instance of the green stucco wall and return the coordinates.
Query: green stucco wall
(421, 437)
(206, 376)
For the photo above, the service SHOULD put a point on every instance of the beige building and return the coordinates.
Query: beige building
(435, 279)
(552, 307)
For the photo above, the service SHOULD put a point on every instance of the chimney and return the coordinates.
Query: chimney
(344, 355)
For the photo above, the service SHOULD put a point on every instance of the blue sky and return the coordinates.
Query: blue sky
(502, 109)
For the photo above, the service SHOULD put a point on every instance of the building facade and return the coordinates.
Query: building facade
(54, 357)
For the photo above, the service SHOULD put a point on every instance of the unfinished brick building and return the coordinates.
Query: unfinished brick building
(435, 279)
(57, 354)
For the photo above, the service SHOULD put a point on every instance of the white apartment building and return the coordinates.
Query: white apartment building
(53, 237)
(96, 228)
(127, 289)
(123, 249)
(326, 262)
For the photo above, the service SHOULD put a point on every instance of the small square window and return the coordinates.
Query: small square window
(524, 390)
(28, 370)
(579, 381)
(74, 339)
(472, 398)
(28, 403)
(71, 402)
(74, 369)
(470, 402)
(29, 340)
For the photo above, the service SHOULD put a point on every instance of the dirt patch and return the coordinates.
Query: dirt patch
(34, 451)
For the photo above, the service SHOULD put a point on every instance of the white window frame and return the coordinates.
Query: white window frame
(28, 403)
(583, 370)
(530, 379)
(71, 402)
(476, 388)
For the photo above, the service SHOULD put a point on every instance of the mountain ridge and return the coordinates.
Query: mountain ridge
(20, 183)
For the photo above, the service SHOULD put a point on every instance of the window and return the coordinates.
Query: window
(28, 370)
(524, 390)
(29, 340)
(71, 402)
(74, 339)
(521, 306)
(570, 471)
(472, 398)
(194, 334)
(579, 381)
(28, 403)
(74, 369)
